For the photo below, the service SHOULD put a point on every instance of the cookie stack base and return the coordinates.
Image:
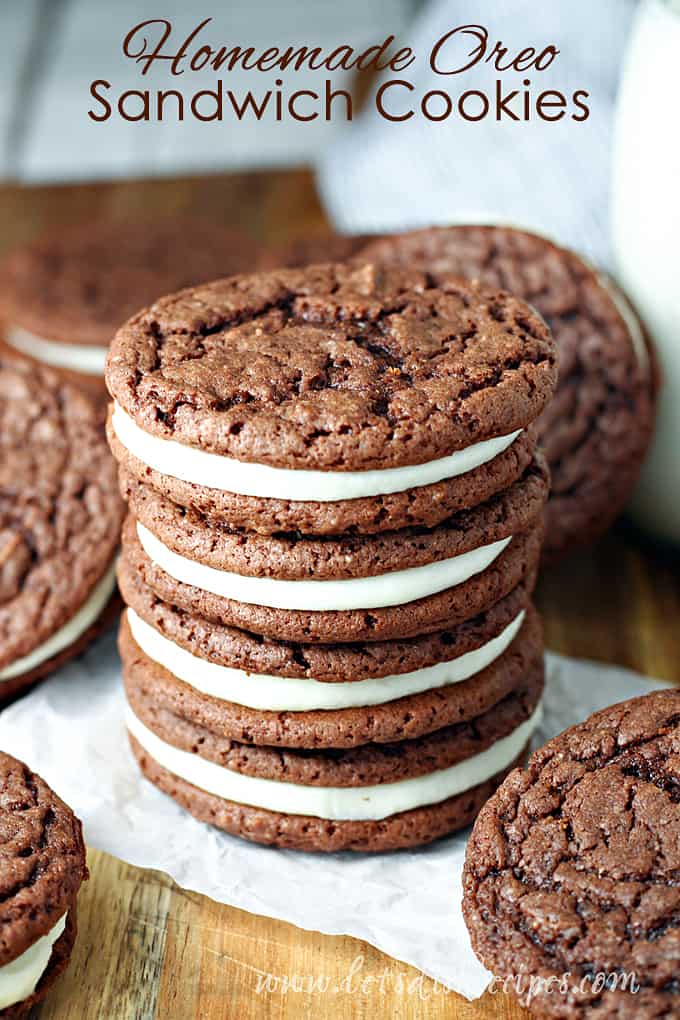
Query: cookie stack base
(378, 775)
(372, 797)
(301, 832)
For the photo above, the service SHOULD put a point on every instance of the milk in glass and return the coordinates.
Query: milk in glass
(646, 235)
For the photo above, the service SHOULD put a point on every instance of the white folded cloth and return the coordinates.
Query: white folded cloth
(554, 177)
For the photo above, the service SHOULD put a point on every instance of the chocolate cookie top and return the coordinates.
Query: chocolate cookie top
(298, 557)
(60, 511)
(42, 858)
(597, 429)
(573, 865)
(333, 368)
(79, 285)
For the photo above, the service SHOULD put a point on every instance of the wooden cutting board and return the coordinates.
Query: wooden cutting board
(147, 949)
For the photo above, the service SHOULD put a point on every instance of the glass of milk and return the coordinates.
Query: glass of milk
(646, 235)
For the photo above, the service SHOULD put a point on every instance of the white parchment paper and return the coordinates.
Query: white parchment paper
(70, 730)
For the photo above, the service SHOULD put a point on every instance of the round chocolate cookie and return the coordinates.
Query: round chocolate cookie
(597, 429)
(517, 563)
(60, 515)
(154, 690)
(374, 771)
(333, 368)
(63, 296)
(572, 869)
(348, 383)
(42, 866)
(412, 828)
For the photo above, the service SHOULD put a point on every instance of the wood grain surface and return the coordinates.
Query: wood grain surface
(148, 950)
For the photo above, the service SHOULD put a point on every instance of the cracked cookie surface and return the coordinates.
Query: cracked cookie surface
(333, 368)
(574, 864)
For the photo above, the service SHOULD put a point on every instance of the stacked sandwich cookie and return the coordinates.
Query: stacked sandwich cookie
(60, 517)
(42, 866)
(335, 525)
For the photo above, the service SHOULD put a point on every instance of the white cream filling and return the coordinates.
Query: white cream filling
(76, 357)
(352, 803)
(19, 979)
(393, 589)
(69, 633)
(292, 694)
(247, 479)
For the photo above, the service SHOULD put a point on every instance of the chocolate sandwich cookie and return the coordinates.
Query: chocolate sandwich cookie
(597, 429)
(571, 876)
(42, 866)
(210, 543)
(329, 385)
(511, 562)
(218, 699)
(302, 588)
(374, 797)
(427, 505)
(254, 658)
(60, 516)
(63, 296)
